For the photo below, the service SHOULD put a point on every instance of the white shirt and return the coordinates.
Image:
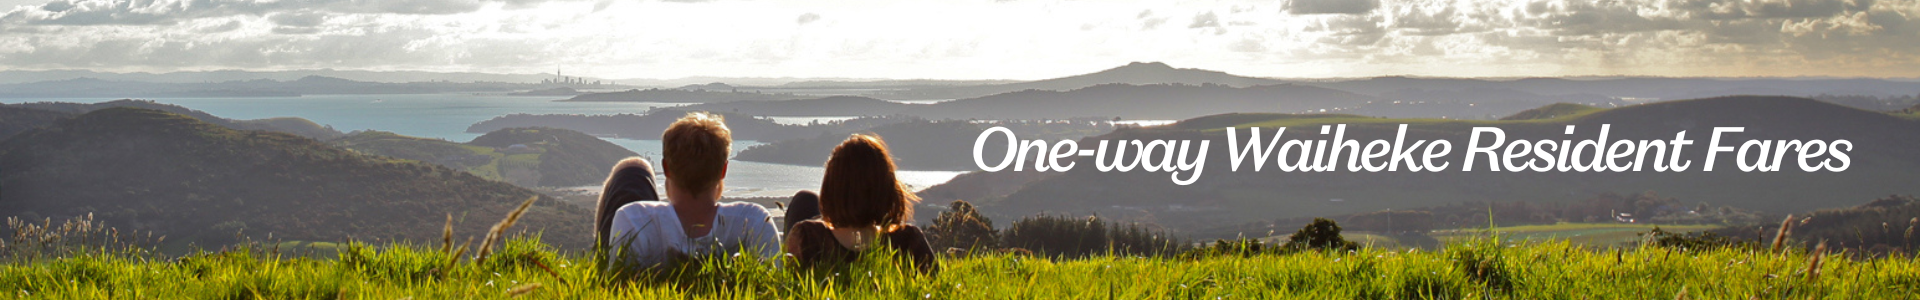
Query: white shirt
(657, 237)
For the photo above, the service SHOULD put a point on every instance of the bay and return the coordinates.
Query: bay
(446, 116)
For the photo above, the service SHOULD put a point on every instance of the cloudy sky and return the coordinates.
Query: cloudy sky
(973, 39)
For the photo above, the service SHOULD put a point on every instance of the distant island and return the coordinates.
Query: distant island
(559, 91)
(310, 85)
(678, 96)
(828, 106)
(1135, 73)
(292, 125)
(648, 126)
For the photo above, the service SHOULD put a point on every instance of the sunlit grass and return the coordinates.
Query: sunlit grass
(1587, 234)
(1474, 269)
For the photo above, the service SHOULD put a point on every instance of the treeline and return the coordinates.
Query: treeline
(961, 229)
(1412, 224)
(1878, 227)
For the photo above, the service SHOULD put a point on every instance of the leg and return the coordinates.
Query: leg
(631, 181)
(805, 205)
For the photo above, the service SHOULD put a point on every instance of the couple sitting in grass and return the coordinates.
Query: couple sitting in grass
(861, 206)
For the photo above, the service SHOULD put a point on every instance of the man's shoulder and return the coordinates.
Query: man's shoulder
(642, 208)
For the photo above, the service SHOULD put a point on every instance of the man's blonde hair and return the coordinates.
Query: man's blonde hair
(694, 150)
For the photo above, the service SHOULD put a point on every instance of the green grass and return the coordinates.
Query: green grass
(1550, 270)
(1589, 234)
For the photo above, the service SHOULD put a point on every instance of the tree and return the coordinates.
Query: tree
(1322, 234)
(962, 226)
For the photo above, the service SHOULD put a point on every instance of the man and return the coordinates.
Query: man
(691, 222)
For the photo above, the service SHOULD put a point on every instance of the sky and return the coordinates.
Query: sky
(936, 39)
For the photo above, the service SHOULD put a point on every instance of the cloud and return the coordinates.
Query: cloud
(1767, 8)
(1417, 21)
(1152, 23)
(167, 12)
(1204, 20)
(1248, 45)
(949, 40)
(230, 25)
(1347, 7)
(298, 19)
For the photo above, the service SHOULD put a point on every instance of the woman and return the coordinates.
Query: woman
(862, 206)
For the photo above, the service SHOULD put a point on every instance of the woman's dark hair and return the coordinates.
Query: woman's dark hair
(859, 188)
(631, 181)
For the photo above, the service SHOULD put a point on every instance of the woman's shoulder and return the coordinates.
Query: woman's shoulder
(810, 225)
(907, 231)
(742, 209)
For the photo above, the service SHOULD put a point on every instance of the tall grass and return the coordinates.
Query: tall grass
(528, 268)
(525, 267)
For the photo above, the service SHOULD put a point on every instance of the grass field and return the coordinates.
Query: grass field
(1470, 269)
(1589, 234)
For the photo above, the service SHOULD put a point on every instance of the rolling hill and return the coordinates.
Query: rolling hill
(915, 145)
(295, 126)
(1551, 111)
(649, 126)
(1142, 102)
(919, 144)
(828, 106)
(543, 157)
(200, 183)
(14, 119)
(677, 96)
(1136, 73)
(566, 157)
(1882, 164)
(1635, 87)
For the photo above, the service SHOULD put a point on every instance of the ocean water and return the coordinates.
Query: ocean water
(446, 116)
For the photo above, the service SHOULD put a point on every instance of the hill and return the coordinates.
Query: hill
(1142, 102)
(1882, 226)
(915, 145)
(829, 106)
(1136, 73)
(559, 91)
(1910, 111)
(14, 120)
(1882, 164)
(543, 156)
(1471, 103)
(919, 144)
(292, 125)
(1551, 111)
(566, 157)
(1151, 102)
(677, 96)
(201, 183)
(1655, 88)
(85, 87)
(648, 126)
